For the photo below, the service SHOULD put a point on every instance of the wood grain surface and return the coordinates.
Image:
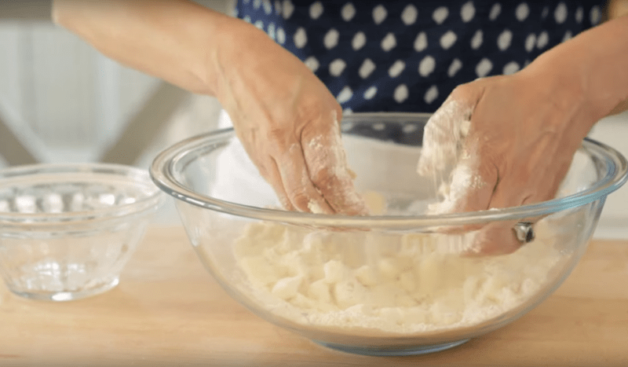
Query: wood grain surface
(168, 311)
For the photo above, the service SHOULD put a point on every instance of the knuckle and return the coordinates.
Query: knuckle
(309, 108)
(278, 136)
(325, 179)
(285, 202)
(462, 92)
(324, 183)
(497, 241)
(299, 199)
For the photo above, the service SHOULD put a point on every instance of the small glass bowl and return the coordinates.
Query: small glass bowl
(66, 231)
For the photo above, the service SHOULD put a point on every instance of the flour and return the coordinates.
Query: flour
(444, 150)
(390, 283)
(327, 156)
(384, 283)
(387, 283)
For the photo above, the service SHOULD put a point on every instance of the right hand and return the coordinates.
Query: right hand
(287, 121)
(511, 140)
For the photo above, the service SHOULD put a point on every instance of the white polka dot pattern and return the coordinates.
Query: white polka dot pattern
(541, 42)
(316, 10)
(511, 68)
(596, 15)
(420, 43)
(281, 36)
(401, 93)
(287, 9)
(431, 94)
(379, 14)
(268, 7)
(522, 12)
(448, 39)
(440, 14)
(366, 69)
(476, 41)
(331, 39)
(496, 9)
(348, 12)
(560, 14)
(411, 52)
(345, 95)
(389, 42)
(427, 66)
(504, 39)
(312, 63)
(467, 12)
(370, 93)
(396, 68)
(579, 14)
(358, 41)
(300, 38)
(483, 68)
(530, 42)
(409, 14)
(567, 36)
(336, 67)
(455, 66)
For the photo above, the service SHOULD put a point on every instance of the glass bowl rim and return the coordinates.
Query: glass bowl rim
(131, 174)
(161, 172)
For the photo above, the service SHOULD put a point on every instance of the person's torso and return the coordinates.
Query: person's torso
(409, 55)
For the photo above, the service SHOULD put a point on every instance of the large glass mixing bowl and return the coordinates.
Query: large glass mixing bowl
(393, 283)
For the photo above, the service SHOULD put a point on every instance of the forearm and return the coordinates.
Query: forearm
(175, 40)
(596, 63)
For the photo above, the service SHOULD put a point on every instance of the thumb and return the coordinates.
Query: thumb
(443, 136)
(469, 189)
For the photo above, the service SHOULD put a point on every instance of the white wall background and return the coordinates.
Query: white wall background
(68, 102)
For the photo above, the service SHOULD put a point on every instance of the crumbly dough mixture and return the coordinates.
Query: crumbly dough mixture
(391, 283)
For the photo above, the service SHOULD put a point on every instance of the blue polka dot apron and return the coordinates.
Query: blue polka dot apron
(407, 56)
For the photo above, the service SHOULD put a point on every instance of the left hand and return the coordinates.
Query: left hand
(521, 134)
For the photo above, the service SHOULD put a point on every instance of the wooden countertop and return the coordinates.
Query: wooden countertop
(168, 311)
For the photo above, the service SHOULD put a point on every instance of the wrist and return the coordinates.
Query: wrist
(593, 65)
(563, 84)
(236, 42)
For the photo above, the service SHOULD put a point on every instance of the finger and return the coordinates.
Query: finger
(500, 238)
(470, 189)
(497, 238)
(274, 178)
(297, 185)
(327, 165)
(442, 137)
(522, 187)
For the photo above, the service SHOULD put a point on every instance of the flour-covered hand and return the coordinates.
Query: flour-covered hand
(512, 138)
(288, 122)
(510, 141)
